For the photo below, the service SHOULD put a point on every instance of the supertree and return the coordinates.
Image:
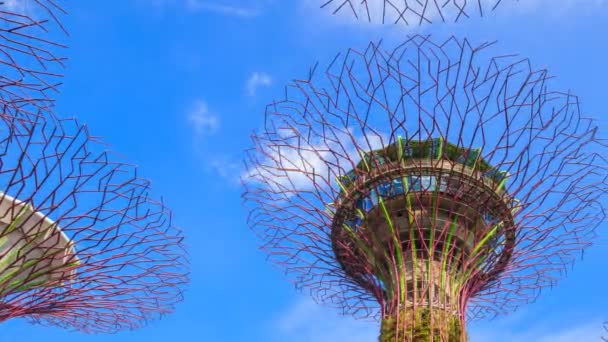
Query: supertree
(411, 12)
(83, 245)
(425, 185)
(31, 48)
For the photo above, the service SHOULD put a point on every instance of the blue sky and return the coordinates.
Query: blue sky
(177, 86)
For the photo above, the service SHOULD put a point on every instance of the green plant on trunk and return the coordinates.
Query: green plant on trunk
(422, 326)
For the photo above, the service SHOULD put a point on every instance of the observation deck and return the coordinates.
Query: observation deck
(437, 214)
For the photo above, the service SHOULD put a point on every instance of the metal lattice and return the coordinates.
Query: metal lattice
(432, 176)
(411, 12)
(31, 48)
(82, 244)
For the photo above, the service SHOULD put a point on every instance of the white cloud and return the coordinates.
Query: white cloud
(227, 168)
(549, 8)
(306, 321)
(221, 7)
(29, 8)
(204, 123)
(234, 8)
(306, 161)
(257, 80)
(13, 5)
(588, 331)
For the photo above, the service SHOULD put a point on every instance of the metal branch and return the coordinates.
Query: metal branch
(411, 12)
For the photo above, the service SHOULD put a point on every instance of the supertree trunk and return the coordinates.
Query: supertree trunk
(422, 325)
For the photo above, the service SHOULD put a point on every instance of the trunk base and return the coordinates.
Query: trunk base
(422, 325)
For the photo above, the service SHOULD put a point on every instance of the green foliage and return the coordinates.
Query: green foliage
(19, 262)
(419, 327)
(425, 149)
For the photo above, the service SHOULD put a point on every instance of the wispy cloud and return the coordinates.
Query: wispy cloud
(221, 7)
(307, 321)
(590, 330)
(233, 8)
(29, 8)
(204, 123)
(257, 80)
(297, 162)
(227, 168)
(12, 5)
(555, 8)
(202, 120)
